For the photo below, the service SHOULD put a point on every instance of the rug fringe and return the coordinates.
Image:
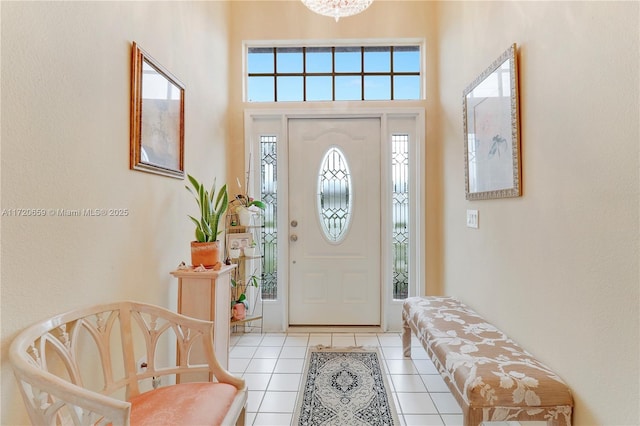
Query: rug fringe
(345, 348)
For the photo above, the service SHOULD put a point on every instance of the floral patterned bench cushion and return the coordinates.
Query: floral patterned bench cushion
(484, 366)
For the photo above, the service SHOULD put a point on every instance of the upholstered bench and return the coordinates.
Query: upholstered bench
(491, 376)
(112, 364)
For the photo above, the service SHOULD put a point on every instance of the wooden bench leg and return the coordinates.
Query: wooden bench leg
(473, 417)
(406, 338)
(241, 419)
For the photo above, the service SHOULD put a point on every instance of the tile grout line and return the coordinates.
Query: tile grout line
(415, 370)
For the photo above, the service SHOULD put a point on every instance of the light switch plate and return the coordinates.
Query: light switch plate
(472, 219)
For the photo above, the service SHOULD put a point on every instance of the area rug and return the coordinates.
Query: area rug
(344, 386)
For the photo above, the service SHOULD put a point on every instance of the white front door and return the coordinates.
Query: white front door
(334, 221)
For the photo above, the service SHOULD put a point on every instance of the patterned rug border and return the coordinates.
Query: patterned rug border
(323, 348)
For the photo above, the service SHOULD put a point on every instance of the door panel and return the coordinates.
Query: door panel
(334, 281)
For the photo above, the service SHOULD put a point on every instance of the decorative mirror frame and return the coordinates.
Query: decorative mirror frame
(500, 175)
(156, 125)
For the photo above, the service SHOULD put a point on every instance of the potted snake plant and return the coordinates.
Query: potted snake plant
(205, 250)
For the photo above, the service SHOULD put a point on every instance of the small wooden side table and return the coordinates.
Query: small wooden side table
(207, 295)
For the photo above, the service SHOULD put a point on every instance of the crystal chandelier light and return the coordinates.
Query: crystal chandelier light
(337, 8)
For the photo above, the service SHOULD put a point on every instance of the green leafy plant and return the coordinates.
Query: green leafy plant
(241, 299)
(212, 208)
(252, 281)
(244, 200)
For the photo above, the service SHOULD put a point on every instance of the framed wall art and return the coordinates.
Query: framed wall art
(157, 118)
(492, 131)
(240, 240)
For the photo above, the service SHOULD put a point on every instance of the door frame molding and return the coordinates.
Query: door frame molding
(275, 313)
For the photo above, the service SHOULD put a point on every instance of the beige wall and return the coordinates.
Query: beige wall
(557, 269)
(65, 144)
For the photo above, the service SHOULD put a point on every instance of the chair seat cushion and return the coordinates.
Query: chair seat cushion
(183, 404)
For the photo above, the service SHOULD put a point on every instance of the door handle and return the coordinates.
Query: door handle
(293, 237)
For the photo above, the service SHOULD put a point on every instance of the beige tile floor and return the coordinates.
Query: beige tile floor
(272, 364)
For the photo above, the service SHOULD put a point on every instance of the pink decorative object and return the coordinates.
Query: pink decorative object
(239, 312)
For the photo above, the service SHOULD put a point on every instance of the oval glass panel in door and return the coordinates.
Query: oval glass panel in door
(334, 195)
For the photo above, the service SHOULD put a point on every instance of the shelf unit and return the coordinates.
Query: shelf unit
(247, 267)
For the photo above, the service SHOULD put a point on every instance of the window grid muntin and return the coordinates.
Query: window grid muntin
(400, 215)
(333, 74)
(268, 194)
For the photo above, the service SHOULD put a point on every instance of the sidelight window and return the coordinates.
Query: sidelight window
(400, 200)
(268, 194)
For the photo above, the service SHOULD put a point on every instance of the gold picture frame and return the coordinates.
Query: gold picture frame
(157, 117)
(492, 131)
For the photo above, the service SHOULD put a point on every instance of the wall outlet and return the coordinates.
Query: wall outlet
(472, 219)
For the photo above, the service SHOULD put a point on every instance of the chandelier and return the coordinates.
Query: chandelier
(337, 8)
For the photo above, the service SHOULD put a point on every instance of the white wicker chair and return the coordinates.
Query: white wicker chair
(81, 368)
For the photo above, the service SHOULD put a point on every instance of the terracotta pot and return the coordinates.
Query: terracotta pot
(206, 254)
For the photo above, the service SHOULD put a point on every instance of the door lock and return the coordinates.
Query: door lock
(294, 223)
(293, 237)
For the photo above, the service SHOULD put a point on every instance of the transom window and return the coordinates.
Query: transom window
(333, 73)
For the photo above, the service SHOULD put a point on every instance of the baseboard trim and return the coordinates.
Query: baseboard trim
(333, 329)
